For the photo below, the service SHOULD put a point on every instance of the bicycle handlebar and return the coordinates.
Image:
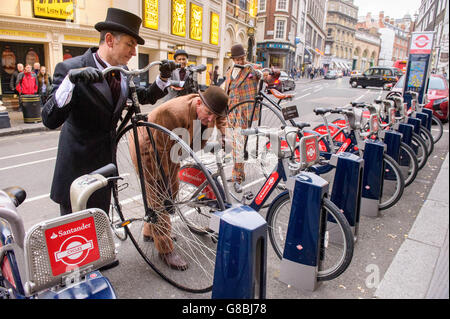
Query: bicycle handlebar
(134, 72)
(252, 66)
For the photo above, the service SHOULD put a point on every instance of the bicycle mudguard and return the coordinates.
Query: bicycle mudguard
(192, 174)
(95, 286)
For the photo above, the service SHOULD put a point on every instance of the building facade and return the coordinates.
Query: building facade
(366, 50)
(342, 17)
(315, 32)
(433, 16)
(277, 22)
(48, 32)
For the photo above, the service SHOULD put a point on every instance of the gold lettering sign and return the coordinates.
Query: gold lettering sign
(61, 10)
(253, 8)
(179, 17)
(196, 22)
(151, 14)
(214, 36)
(17, 33)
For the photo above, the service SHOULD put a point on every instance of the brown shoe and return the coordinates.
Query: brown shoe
(174, 261)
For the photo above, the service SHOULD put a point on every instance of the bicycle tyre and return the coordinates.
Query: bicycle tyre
(398, 184)
(198, 249)
(278, 220)
(256, 146)
(428, 139)
(420, 148)
(440, 128)
(408, 156)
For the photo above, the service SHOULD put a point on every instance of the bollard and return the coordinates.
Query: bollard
(241, 257)
(372, 178)
(300, 261)
(347, 189)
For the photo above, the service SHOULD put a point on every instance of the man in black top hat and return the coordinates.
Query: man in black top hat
(90, 105)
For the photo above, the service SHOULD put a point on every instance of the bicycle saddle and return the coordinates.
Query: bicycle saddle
(279, 95)
(301, 125)
(322, 110)
(16, 193)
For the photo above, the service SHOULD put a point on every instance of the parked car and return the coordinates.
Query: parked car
(376, 76)
(331, 74)
(340, 73)
(437, 95)
(285, 82)
(354, 72)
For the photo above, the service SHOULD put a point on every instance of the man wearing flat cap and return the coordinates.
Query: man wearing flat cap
(90, 105)
(209, 109)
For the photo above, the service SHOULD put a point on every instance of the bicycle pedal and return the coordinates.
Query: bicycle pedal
(249, 196)
(121, 187)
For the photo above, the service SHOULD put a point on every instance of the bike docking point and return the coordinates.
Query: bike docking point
(300, 262)
(346, 192)
(393, 140)
(424, 119)
(372, 177)
(241, 257)
(430, 115)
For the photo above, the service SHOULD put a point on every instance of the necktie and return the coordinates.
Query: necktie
(113, 79)
(182, 74)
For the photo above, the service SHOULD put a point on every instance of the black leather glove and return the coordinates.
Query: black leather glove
(86, 75)
(166, 68)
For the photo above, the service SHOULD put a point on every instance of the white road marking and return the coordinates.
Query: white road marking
(28, 153)
(26, 164)
(298, 98)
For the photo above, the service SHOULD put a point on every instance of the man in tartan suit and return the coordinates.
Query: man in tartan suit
(240, 86)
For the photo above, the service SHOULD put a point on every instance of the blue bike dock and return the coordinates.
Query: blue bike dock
(240, 271)
(300, 261)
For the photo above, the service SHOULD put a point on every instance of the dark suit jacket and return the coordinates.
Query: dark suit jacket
(87, 137)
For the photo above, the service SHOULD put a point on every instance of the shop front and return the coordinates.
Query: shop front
(279, 55)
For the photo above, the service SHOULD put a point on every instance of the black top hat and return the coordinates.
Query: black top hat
(121, 21)
(216, 100)
(178, 52)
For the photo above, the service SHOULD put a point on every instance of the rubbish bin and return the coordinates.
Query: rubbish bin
(31, 108)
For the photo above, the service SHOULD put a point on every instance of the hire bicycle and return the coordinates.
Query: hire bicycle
(149, 195)
(290, 151)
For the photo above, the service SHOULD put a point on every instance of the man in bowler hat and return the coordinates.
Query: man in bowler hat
(180, 74)
(90, 105)
(240, 85)
(210, 109)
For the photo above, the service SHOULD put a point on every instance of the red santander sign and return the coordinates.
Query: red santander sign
(72, 245)
(421, 43)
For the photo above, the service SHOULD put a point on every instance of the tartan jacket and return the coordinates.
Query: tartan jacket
(243, 87)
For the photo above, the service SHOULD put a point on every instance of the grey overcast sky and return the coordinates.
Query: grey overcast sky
(392, 8)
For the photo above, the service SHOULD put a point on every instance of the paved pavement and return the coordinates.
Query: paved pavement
(420, 269)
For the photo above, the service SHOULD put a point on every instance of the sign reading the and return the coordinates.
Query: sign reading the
(72, 245)
(60, 10)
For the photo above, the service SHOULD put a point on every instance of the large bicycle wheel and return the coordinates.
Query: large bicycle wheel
(393, 183)
(337, 243)
(181, 218)
(428, 139)
(437, 128)
(254, 152)
(408, 163)
(420, 148)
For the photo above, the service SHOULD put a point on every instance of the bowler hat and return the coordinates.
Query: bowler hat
(237, 51)
(216, 100)
(180, 52)
(121, 21)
